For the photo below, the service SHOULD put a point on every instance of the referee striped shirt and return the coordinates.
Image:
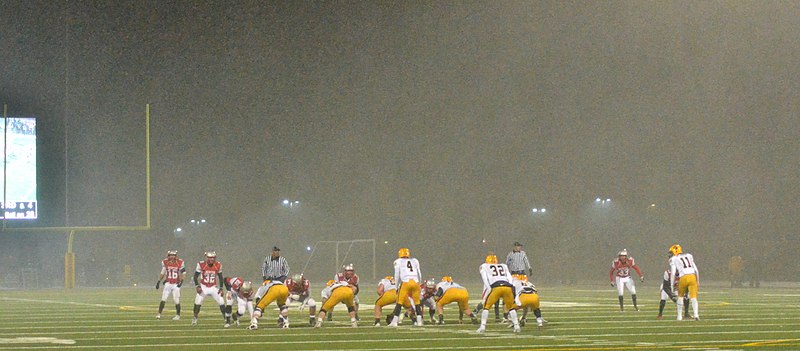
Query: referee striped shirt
(518, 262)
(275, 268)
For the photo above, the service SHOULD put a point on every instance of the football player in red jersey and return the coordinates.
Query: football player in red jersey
(172, 274)
(208, 282)
(621, 269)
(241, 292)
(299, 290)
(428, 291)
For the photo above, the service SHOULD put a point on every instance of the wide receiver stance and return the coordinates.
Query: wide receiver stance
(271, 291)
(299, 291)
(621, 268)
(172, 274)
(497, 284)
(682, 265)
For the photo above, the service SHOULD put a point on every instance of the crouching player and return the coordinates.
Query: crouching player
(299, 292)
(241, 293)
(528, 299)
(333, 294)
(387, 295)
(428, 292)
(448, 292)
(271, 291)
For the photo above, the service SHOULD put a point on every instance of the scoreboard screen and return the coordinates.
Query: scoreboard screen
(18, 172)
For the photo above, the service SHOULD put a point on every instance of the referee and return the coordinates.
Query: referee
(517, 261)
(275, 266)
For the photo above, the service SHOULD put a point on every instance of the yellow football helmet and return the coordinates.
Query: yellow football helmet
(491, 258)
(389, 278)
(266, 282)
(676, 250)
(447, 278)
(521, 277)
(404, 253)
(329, 283)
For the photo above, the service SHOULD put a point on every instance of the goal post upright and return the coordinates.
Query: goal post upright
(69, 256)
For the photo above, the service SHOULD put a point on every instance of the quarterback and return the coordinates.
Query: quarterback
(408, 276)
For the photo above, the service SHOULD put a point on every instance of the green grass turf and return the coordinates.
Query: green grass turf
(580, 318)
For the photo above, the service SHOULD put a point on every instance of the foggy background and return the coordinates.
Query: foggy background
(436, 126)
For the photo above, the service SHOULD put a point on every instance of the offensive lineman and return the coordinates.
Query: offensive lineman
(408, 275)
(387, 295)
(447, 292)
(333, 294)
(621, 268)
(528, 299)
(497, 284)
(682, 265)
(271, 290)
(209, 285)
(174, 270)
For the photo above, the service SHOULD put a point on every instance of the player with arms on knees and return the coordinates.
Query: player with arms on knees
(448, 291)
(240, 292)
(496, 285)
(428, 299)
(173, 271)
(620, 276)
(408, 276)
(271, 291)
(333, 294)
(299, 291)
(208, 282)
(527, 298)
(682, 265)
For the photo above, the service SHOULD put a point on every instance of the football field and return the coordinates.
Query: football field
(579, 318)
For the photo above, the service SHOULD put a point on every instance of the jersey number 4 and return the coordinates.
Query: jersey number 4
(409, 266)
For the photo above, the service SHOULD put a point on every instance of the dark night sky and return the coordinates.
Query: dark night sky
(429, 124)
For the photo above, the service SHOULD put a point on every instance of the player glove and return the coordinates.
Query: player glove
(198, 289)
(180, 283)
(642, 279)
(612, 284)
(158, 283)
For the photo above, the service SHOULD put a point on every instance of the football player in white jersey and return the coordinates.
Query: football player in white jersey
(682, 265)
(527, 298)
(497, 284)
(408, 276)
(448, 291)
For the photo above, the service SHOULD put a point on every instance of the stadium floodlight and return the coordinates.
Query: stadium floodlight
(179, 229)
(286, 202)
(598, 199)
(308, 248)
(543, 210)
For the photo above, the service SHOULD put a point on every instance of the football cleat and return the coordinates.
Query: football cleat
(253, 327)
(517, 329)
(354, 324)
(318, 324)
(158, 316)
(378, 324)
(194, 321)
(227, 325)
(176, 318)
(236, 322)
(481, 330)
